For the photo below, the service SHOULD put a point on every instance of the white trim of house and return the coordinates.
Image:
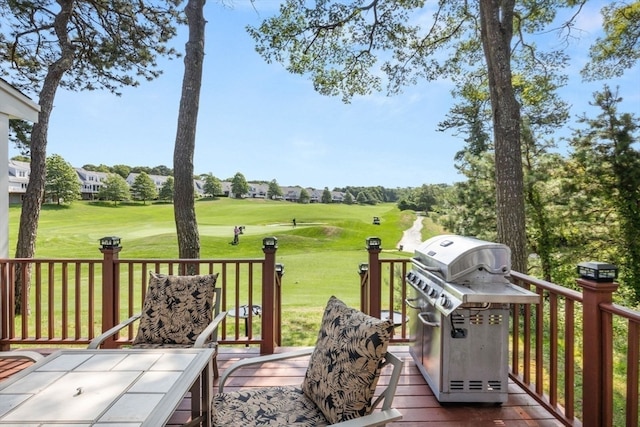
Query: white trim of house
(13, 105)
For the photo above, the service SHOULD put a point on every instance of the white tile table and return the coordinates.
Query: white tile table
(109, 388)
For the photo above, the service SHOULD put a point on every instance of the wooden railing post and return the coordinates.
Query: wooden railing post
(374, 246)
(363, 270)
(278, 309)
(110, 247)
(269, 247)
(6, 310)
(597, 331)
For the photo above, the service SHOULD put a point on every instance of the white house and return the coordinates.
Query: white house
(158, 180)
(13, 105)
(90, 182)
(18, 180)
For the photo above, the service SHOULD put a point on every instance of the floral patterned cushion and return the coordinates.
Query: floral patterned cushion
(176, 309)
(344, 367)
(266, 406)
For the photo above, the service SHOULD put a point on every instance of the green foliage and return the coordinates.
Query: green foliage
(422, 198)
(468, 208)
(20, 134)
(62, 184)
(105, 44)
(361, 198)
(326, 196)
(212, 186)
(606, 149)
(239, 185)
(304, 196)
(166, 191)
(346, 47)
(100, 168)
(115, 189)
(579, 208)
(143, 188)
(348, 198)
(619, 49)
(122, 170)
(274, 191)
(374, 194)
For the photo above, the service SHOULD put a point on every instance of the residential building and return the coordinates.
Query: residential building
(92, 181)
(18, 180)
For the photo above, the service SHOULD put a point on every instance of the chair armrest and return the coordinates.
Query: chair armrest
(373, 419)
(258, 360)
(97, 341)
(387, 395)
(210, 329)
(21, 354)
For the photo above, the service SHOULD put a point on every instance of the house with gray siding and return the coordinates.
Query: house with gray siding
(18, 180)
(90, 182)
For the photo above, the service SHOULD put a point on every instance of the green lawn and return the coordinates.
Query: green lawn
(320, 255)
(149, 230)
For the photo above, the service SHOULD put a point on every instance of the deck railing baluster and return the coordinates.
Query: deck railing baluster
(548, 371)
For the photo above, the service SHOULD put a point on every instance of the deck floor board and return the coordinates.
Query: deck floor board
(414, 399)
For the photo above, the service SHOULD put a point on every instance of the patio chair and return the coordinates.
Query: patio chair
(178, 312)
(32, 356)
(13, 361)
(339, 383)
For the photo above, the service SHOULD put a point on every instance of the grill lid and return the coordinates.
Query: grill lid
(454, 257)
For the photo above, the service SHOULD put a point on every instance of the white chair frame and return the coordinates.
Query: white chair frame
(386, 413)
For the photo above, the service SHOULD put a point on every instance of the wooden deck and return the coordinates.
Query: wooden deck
(414, 398)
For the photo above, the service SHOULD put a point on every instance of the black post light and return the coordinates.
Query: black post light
(279, 269)
(270, 243)
(110, 242)
(363, 267)
(597, 271)
(374, 243)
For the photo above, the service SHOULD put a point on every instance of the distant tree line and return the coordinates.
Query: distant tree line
(239, 185)
(62, 186)
(124, 170)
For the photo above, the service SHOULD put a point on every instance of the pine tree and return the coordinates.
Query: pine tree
(143, 188)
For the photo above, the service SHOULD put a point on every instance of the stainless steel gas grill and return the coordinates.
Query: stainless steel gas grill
(459, 310)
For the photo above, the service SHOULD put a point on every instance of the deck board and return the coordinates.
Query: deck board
(414, 398)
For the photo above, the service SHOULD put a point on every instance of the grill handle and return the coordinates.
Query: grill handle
(425, 321)
(424, 266)
(408, 302)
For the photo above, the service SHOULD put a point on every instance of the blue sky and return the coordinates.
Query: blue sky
(257, 119)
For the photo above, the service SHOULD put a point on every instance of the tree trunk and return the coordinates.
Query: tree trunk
(184, 202)
(34, 194)
(496, 18)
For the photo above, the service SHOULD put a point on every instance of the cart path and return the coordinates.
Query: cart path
(412, 238)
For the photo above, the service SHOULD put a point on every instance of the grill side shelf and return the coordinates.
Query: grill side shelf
(494, 293)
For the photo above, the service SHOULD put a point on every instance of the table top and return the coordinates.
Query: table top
(121, 387)
(243, 311)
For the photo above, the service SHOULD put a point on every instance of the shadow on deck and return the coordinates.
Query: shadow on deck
(414, 398)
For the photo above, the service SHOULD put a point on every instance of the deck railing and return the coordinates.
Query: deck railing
(562, 350)
(71, 301)
(575, 352)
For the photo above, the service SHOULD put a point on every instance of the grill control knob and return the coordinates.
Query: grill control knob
(433, 292)
(444, 301)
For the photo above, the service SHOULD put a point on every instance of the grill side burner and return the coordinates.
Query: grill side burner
(459, 310)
